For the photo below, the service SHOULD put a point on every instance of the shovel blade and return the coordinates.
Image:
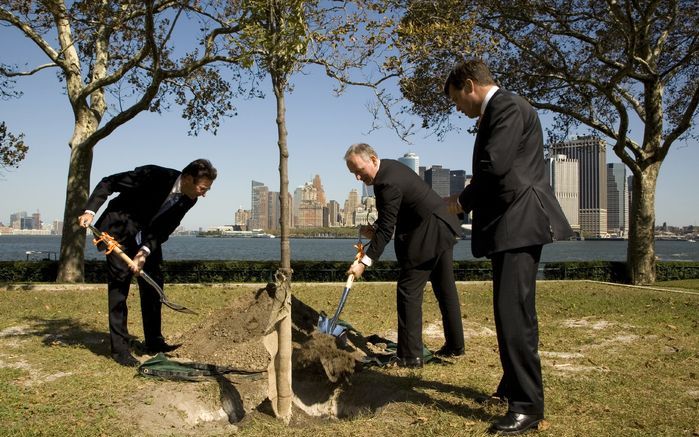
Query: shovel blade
(325, 326)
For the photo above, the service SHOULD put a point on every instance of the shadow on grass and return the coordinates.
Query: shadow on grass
(69, 332)
(370, 390)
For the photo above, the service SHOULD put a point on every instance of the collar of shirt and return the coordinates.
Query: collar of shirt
(488, 96)
(177, 186)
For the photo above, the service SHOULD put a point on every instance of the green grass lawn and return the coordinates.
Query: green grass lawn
(617, 361)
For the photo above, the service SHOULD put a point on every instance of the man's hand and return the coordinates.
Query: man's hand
(453, 204)
(356, 269)
(85, 219)
(139, 260)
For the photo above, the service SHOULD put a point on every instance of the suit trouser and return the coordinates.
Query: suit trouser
(118, 283)
(514, 303)
(410, 288)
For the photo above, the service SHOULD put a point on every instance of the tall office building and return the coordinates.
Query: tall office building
(241, 218)
(273, 210)
(439, 179)
(367, 191)
(309, 211)
(457, 181)
(258, 219)
(411, 160)
(36, 217)
(333, 217)
(319, 190)
(564, 177)
(591, 153)
(617, 199)
(351, 204)
(16, 219)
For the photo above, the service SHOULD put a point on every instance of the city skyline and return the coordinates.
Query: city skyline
(564, 179)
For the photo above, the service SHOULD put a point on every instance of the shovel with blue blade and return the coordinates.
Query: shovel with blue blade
(329, 326)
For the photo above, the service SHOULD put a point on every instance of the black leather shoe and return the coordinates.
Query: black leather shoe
(515, 423)
(126, 360)
(161, 347)
(447, 352)
(407, 363)
(411, 363)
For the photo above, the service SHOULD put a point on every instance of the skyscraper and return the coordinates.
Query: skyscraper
(457, 181)
(591, 153)
(259, 212)
(411, 160)
(564, 177)
(351, 205)
(439, 179)
(617, 199)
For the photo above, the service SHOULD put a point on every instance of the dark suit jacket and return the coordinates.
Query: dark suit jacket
(512, 201)
(407, 205)
(142, 192)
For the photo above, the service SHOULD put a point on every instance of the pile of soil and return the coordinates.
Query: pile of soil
(232, 337)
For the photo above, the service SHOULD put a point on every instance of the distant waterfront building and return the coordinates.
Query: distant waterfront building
(439, 179)
(273, 210)
(411, 160)
(242, 218)
(351, 204)
(565, 182)
(16, 219)
(309, 211)
(421, 172)
(57, 227)
(319, 190)
(457, 181)
(334, 217)
(617, 199)
(591, 153)
(259, 204)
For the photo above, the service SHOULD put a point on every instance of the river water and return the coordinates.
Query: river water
(15, 247)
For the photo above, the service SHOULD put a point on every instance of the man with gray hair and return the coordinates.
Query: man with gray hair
(425, 234)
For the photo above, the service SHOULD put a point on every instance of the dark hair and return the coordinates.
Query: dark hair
(362, 149)
(200, 168)
(474, 69)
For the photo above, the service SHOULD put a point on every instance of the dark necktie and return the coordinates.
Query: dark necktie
(169, 202)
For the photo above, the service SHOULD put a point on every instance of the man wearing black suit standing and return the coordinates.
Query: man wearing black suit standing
(425, 234)
(514, 214)
(151, 203)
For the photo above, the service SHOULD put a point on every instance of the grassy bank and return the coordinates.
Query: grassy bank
(617, 361)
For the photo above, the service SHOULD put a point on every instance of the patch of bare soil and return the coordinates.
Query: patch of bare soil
(322, 366)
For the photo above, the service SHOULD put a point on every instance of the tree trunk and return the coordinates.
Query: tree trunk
(71, 267)
(283, 365)
(641, 249)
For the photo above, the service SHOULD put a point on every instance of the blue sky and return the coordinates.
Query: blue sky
(320, 126)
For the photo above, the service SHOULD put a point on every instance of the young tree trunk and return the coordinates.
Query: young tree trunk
(641, 249)
(283, 365)
(71, 267)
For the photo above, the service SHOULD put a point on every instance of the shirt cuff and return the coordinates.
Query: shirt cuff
(145, 249)
(366, 261)
(87, 211)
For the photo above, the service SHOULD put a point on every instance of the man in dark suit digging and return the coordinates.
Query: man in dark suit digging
(151, 203)
(425, 234)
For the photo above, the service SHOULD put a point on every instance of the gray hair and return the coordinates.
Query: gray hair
(362, 149)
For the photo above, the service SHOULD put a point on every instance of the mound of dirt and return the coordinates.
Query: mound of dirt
(232, 337)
